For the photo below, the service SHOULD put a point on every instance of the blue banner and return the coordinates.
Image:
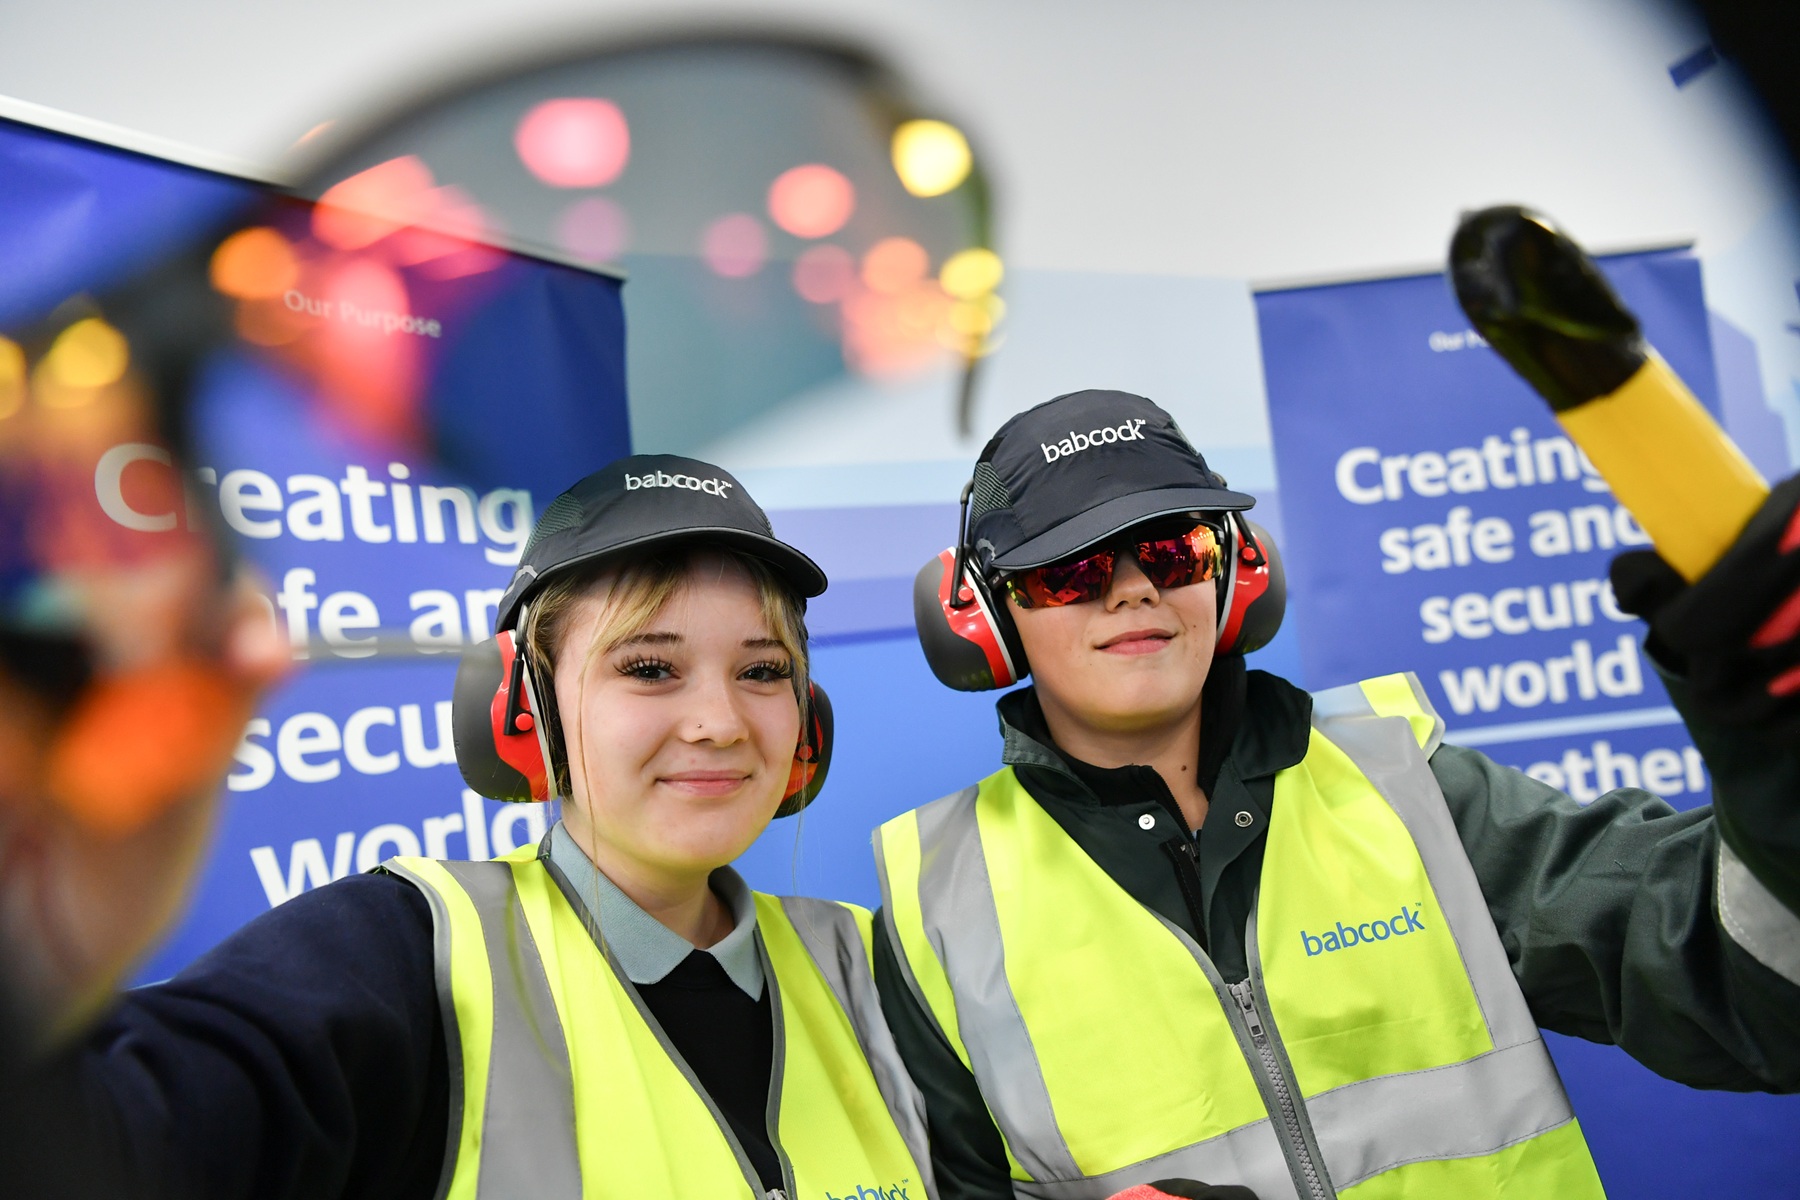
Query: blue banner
(1438, 520)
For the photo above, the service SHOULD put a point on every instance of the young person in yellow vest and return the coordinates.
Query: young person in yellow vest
(610, 1013)
(1202, 925)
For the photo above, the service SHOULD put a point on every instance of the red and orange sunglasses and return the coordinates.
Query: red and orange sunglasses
(1167, 562)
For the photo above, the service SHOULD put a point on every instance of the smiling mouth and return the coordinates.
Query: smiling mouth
(706, 783)
(1137, 641)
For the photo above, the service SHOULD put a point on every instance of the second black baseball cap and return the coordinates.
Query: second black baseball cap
(1075, 470)
(646, 500)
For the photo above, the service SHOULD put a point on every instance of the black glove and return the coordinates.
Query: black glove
(1184, 1189)
(1734, 633)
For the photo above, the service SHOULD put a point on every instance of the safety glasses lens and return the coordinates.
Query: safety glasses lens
(1178, 562)
(1174, 562)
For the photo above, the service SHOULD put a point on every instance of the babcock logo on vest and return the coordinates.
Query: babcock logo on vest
(1346, 937)
(894, 1191)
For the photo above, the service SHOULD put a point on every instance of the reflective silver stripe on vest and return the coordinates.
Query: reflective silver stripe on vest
(440, 965)
(830, 934)
(1755, 919)
(955, 893)
(1472, 1108)
(1249, 1156)
(528, 1147)
(1384, 749)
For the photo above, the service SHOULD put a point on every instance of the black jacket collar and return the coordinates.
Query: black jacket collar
(1257, 722)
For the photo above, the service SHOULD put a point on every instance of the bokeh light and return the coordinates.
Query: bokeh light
(574, 142)
(88, 354)
(972, 320)
(811, 201)
(254, 264)
(972, 273)
(594, 229)
(12, 378)
(735, 245)
(372, 204)
(931, 157)
(893, 333)
(369, 373)
(894, 263)
(824, 274)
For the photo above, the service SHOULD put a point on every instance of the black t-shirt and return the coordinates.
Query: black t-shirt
(304, 1057)
(729, 1041)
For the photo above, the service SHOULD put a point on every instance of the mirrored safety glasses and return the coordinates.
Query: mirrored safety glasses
(1167, 562)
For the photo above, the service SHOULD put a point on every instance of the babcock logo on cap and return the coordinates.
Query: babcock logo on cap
(661, 479)
(1075, 443)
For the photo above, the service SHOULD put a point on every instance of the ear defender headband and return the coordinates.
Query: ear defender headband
(970, 641)
(509, 742)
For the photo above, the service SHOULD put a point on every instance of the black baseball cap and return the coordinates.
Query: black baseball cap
(649, 500)
(1075, 470)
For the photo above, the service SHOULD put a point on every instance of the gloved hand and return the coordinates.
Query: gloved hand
(1735, 632)
(1185, 1189)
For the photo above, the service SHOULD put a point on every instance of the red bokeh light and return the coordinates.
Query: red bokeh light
(811, 201)
(594, 229)
(824, 274)
(735, 245)
(574, 142)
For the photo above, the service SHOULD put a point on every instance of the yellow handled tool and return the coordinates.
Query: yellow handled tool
(1541, 302)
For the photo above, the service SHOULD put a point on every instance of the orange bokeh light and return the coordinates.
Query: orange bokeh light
(574, 142)
(894, 263)
(374, 203)
(811, 201)
(893, 333)
(254, 264)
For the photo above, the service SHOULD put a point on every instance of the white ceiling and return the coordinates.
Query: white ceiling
(1193, 137)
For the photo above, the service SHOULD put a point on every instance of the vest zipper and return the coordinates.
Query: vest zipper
(1185, 856)
(778, 1060)
(1289, 1114)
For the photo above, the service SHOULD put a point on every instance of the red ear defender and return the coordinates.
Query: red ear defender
(1255, 588)
(968, 639)
(500, 743)
(812, 757)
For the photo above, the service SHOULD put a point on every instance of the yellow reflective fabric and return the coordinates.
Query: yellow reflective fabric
(642, 1128)
(1552, 1165)
(833, 1124)
(1393, 696)
(1361, 971)
(1135, 1050)
(1371, 1000)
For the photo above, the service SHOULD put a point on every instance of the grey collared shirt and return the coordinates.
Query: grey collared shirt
(646, 949)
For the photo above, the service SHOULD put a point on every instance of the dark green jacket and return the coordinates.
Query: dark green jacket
(1606, 910)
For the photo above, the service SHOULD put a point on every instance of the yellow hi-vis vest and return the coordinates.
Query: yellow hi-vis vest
(563, 1085)
(1380, 1048)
